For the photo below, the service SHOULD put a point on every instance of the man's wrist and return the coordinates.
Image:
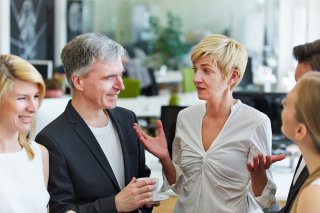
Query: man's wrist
(117, 204)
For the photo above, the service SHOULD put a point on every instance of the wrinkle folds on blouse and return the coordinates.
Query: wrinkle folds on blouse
(217, 180)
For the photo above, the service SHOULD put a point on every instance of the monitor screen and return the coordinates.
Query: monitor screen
(248, 75)
(44, 67)
(168, 118)
(268, 103)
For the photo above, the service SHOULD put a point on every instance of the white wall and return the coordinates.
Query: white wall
(313, 21)
(245, 19)
(60, 28)
(299, 22)
(286, 34)
(4, 26)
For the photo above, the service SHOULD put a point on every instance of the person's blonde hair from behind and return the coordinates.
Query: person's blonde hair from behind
(307, 108)
(13, 67)
(226, 53)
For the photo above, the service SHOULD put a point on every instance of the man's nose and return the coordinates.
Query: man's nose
(119, 83)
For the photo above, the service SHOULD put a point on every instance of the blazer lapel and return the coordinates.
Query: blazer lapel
(294, 189)
(87, 137)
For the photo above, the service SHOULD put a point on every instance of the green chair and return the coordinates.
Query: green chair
(174, 100)
(132, 88)
(187, 80)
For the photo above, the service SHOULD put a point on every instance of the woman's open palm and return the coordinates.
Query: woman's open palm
(155, 145)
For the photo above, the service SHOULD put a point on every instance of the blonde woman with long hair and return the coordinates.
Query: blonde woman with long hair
(24, 164)
(301, 124)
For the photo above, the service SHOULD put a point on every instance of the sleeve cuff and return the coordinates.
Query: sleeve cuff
(267, 198)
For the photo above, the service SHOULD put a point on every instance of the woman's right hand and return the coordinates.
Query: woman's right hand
(155, 145)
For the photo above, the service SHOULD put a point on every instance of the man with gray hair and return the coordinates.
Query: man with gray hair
(95, 156)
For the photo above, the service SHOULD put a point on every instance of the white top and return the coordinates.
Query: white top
(109, 142)
(218, 179)
(22, 186)
(299, 170)
(316, 182)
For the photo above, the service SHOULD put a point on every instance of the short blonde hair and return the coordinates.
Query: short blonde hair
(13, 67)
(307, 108)
(226, 53)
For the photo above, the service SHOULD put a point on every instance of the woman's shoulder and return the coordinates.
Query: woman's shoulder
(316, 182)
(44, 151)
(192, 111)
(309, 199)
(251, 112)
(194, 108)
(39, 148)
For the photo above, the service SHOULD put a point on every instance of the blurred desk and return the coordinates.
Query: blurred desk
(170, 79)
(142, 106)
(150, 106)
(171, 76)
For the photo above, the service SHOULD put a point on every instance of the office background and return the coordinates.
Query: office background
(268, 28)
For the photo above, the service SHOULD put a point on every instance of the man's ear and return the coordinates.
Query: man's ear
(77, 82)
(301, 132)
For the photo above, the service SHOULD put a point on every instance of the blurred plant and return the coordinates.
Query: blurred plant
(154, 61)
(167, 44)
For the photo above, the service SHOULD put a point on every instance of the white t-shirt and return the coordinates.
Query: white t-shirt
(299, 170)
(22, 186)
(109, 142)
(316, 182)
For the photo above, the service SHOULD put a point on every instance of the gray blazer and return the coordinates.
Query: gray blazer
(81, 178)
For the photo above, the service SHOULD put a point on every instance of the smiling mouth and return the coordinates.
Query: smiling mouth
(26, 119)
(112, 95)
(200, 88)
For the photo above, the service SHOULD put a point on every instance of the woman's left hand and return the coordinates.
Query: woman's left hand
(260, 164)
(258, 169)
(155, 145)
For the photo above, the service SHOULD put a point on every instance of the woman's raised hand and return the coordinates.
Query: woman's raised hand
(155, 145)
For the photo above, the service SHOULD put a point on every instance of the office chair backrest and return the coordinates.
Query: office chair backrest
(132, 88)
(187, 80)
(168, 118)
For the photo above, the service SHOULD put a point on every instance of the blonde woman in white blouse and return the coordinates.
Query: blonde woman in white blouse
(24, 164)
(216, 140)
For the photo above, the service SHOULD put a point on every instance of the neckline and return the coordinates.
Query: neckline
(106, 113)
(12, 153)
